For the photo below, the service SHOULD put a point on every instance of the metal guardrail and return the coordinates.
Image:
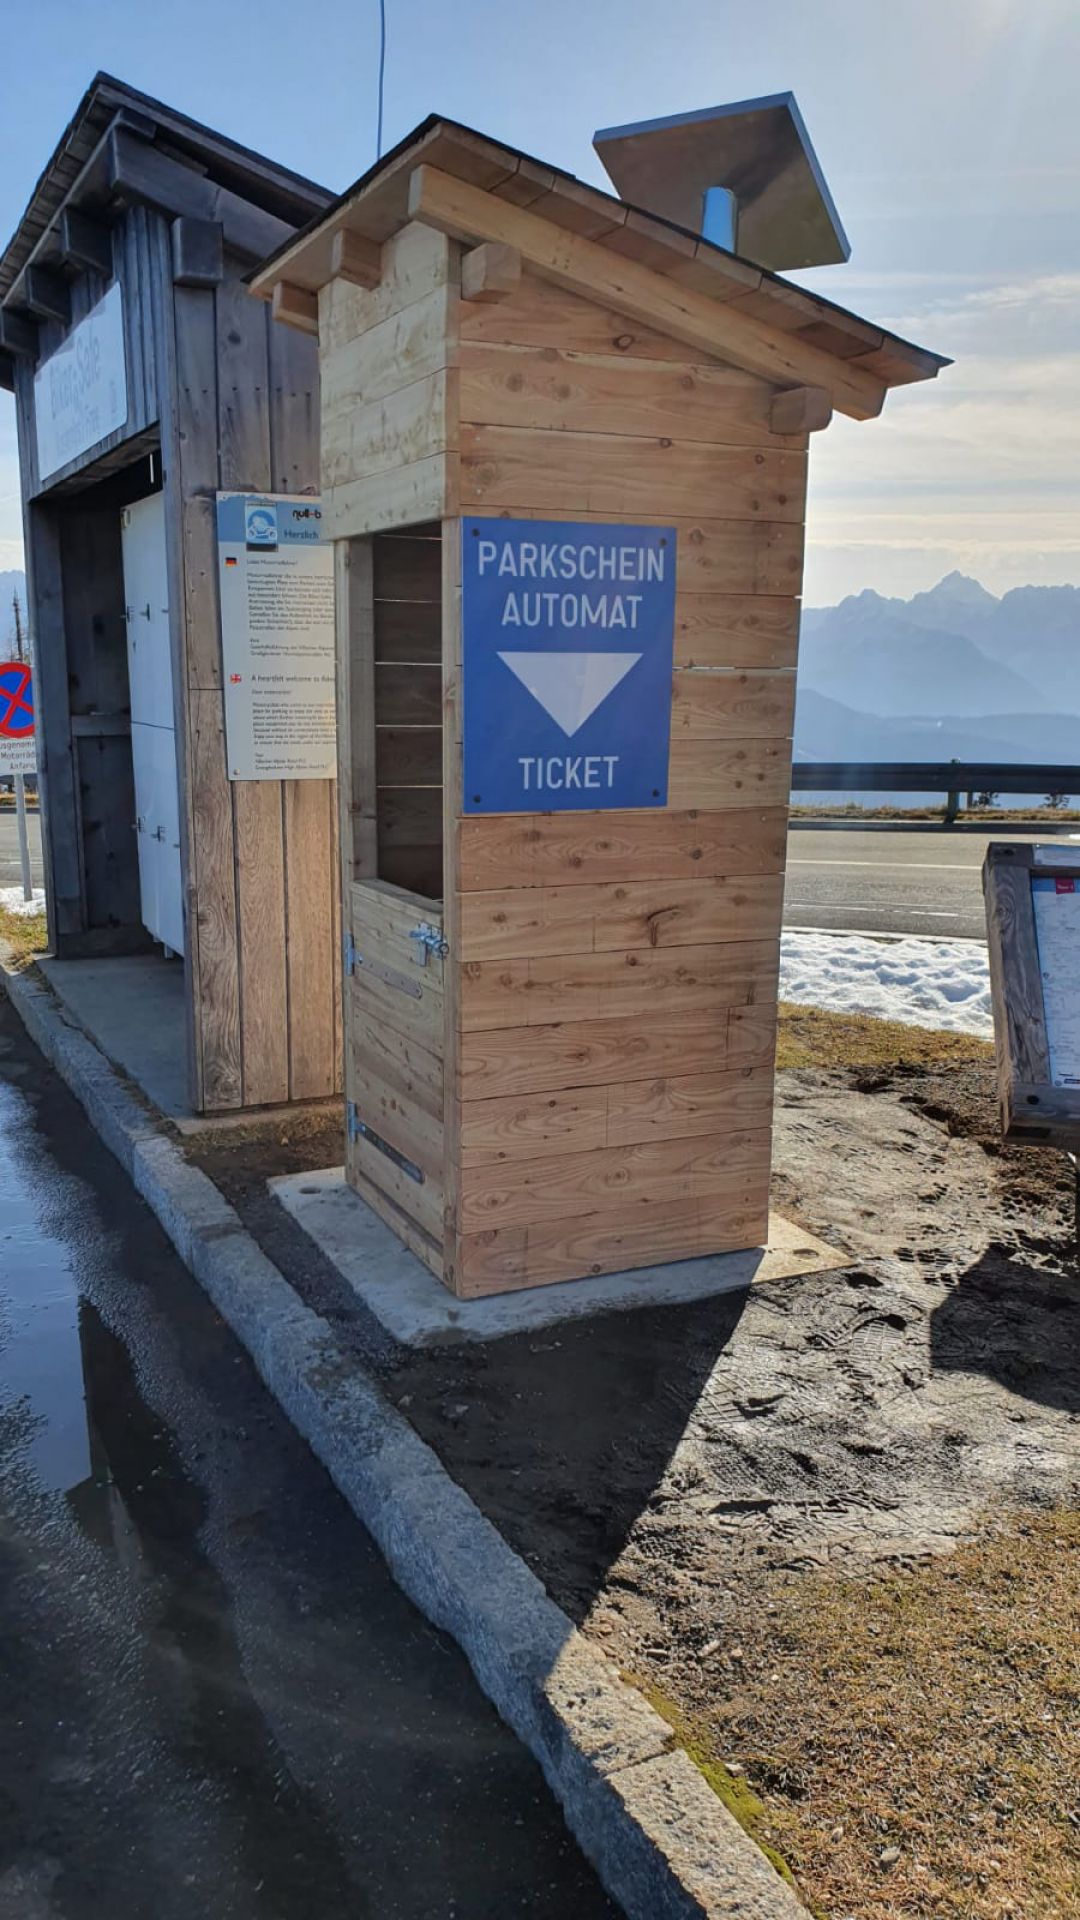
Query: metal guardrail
(930, 776)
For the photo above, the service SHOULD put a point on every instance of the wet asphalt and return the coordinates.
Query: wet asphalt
(213, 1700)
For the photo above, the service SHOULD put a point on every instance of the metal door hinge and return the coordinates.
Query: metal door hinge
(350, 955)
(429, 940)
(359, 1130)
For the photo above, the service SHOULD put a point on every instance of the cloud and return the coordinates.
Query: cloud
(979, 469)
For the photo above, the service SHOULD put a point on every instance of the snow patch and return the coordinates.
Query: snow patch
(923, 983)
(11, 900)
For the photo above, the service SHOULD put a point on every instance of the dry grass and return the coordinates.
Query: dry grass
(810, 1038)
(932, 1715)
(21, 936)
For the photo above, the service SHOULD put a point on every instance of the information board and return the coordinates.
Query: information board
(17, 750)
(567, 639)
(276, 575)
(1033, 945)
(80, 391)
(1056, 901)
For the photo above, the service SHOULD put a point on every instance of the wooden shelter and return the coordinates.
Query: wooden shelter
(560, 1026)
(149, 222)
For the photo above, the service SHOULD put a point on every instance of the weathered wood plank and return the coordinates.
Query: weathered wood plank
(397, 1117)
(581, 1119)
(546, 849)
(384, 500)
(516, 922)
(625, 475)
(408, 696)
(409, 344)
(355, 690)
(573, 392)
(723, 773)
(310, 958)
(408, 630)
(502, 1260)
(384, 435)
(541, 315)
(409, 756)
(591, 986)
(395, 1055)
(212, 904)
(716, 704)
(408, 567)
(548, 1058)
(558, 1188)
(415, 262)
(751, 631)
(260, 884)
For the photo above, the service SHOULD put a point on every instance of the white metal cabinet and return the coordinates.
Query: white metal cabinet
(153, 737)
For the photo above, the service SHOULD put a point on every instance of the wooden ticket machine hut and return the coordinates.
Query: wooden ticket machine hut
(128, 268)
(560, 1019)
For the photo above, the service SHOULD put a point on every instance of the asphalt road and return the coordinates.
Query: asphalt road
(865, 880)
(868, 881)
(213, 1699)
(10, 870)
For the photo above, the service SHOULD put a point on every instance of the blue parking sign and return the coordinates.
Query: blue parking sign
(567, 634)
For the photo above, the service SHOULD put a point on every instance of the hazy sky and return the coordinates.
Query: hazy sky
(949, 131)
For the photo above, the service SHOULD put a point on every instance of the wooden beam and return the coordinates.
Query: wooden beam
(84, 242)
(490, 272)
(800, 410)
(296, 307)
(586, 267)
(198, 252)
(136, 171)
(18, 335)
(47, 294)
(7, 373)
(356, 259)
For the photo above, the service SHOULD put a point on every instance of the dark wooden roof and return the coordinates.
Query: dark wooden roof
(276, 190)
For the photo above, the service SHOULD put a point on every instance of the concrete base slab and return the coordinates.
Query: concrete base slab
(133, 1008)
(418, 1310)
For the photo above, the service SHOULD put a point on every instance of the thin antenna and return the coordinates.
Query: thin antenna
(382, 76)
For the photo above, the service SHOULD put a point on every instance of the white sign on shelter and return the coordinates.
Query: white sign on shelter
(80, 392)
(276, 574)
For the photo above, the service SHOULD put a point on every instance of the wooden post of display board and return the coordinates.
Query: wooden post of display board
(1032, 898)
(562, 890)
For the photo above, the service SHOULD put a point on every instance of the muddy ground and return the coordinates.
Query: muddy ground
(682, 1480)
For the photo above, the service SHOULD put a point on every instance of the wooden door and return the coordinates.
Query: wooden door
(394, 962)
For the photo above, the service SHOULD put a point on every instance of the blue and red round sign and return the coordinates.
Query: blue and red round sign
(16, 701)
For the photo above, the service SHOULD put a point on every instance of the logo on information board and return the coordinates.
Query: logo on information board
(567, 636)
(260, 524)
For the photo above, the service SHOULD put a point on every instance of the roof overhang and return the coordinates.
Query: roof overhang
(760, 150)
(479, 189)
(91, 168)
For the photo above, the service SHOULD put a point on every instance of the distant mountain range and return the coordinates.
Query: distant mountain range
(954, 673)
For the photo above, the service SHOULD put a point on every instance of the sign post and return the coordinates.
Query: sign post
(17, 748)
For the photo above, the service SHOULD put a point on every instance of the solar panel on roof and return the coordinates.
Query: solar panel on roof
(760, 151)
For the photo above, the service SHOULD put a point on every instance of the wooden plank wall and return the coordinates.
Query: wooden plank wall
(234, 398)
(617, 976)
(73, 613)
(263, 909)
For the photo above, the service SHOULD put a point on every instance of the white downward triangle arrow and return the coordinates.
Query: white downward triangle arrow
(570, 686)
